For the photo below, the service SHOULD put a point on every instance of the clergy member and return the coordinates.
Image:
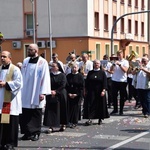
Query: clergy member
(36, 79)
(10, 102)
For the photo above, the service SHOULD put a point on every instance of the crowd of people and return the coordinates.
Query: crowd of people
(28, 87)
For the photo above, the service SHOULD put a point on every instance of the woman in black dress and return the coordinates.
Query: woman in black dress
(75, 87)
(95, 106)
(56, 104)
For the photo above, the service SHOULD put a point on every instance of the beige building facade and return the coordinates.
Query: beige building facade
(76, 25)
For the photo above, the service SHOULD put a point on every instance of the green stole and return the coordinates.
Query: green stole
(5, 116)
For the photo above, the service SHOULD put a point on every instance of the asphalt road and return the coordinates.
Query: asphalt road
(128, 132)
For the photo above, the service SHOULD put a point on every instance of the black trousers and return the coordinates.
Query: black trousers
(130, 88)
(9, 132)
(30, 121)
(109, 90)
(118, 87)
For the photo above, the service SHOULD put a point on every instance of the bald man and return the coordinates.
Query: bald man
(36, 79)
(10, 102)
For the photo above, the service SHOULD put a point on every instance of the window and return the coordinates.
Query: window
(29, 21)
(136, 27)
(137, 49)
(107, 49)
(115, 27)
(122, 1)
(105, 22)
(97, 51)
(122, 25)
(115, 49)
(96, 20)
(130, 49)
(143, 50)
(142, 4)
(129, 25)
(142, 28)
(129, 2)
(136, 3)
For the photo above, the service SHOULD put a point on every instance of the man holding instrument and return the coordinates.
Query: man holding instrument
(119, 81)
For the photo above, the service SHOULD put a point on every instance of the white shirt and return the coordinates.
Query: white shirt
(119, 75)
(142, 79)
(108, 65)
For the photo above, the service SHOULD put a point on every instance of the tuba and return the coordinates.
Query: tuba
(132, 55)
(132, 65)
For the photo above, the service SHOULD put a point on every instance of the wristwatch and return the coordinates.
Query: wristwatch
(119, 65)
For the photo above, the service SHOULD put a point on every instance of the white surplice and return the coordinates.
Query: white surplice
(36, 79)
(15, 85)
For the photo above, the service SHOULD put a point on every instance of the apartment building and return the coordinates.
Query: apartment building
(74, 25)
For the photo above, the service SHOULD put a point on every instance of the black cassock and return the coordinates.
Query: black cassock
(95, 106)
(56, 107)
(75, 85)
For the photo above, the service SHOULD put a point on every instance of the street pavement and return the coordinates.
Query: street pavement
(131, 131)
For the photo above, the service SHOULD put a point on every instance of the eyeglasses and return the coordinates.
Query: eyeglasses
(30, 49)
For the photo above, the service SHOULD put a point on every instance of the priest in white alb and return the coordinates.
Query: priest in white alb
(36, 79)
(10, 102)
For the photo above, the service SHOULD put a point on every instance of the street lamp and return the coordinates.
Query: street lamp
(112, 30)
(33, 14)
(50, 28)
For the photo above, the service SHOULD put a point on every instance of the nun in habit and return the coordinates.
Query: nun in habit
(75, 85)
(56, 104)
(95, 106)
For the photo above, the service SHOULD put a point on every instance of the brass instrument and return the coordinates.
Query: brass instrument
(82, 69)
(132, 55)
(70, 63)
(1, 40)
(132, 64)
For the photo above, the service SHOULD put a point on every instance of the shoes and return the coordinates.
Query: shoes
(137, 106)
(35, 137)
(121, 113)
(146, 116)
(62, 128)
(25, 137)
(113, 112)
(50, 130)
(88, 123)
(72, 126)
(99, 122)
(8, 147)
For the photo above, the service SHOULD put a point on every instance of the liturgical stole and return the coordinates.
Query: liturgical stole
(5, 116)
